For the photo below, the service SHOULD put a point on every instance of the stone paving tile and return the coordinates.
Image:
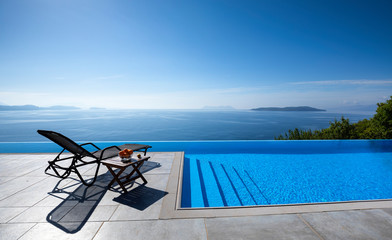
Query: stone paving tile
(165, 155)
(107, 199)
(388, 210)
(327, 227)
(7, 213)
(17, 171)
(19, 156)
(17, 185)
(65, 214)
(6, 179)
(4, 156)
(20, 167)
(161, 167)
(36, 214)
(58, 196)
(160, 229)
(358, 224)
(39, 172)
(279, 227)
(47, 231)
(70, 191)
(97, 214)
(157, 181)
(141, 201)
(31, 195)
(14, 231)
(102, 213)
(162, 159)
(125, 212)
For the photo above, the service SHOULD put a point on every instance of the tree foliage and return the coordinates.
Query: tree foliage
(377, 127)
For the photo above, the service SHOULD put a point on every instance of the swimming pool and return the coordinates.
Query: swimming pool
(265, 172)
(287, 172)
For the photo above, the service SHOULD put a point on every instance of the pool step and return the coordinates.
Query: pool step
(192, 195)
(238, 187)
(212, 189)
(212, 184)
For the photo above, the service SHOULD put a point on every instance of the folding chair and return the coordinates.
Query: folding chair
(63, 166)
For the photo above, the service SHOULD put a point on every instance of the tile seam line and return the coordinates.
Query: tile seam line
(24, 189)
(100, 226)
(48, 195)
(110, 218)
(35, 169)
(205, 226)
(13, 178)
(8, 222)
(310, 226)
(28, 230)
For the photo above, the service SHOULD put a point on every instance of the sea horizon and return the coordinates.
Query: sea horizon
(162, 125)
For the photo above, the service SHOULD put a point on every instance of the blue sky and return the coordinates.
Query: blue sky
(189, 54)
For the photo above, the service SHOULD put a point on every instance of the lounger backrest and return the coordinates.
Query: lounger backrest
(66, 143)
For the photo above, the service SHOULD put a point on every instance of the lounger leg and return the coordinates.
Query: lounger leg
(83, 181)
(57, 174)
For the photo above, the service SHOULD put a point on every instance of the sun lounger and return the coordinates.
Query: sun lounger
(63, 165)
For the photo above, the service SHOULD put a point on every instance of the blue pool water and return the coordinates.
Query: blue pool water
(287, 172)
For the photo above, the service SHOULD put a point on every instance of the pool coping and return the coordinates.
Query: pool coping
(171, 203)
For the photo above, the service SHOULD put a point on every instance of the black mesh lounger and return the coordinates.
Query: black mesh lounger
(62, 167)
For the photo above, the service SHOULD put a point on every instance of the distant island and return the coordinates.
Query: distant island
(33, 107)
(290, 109)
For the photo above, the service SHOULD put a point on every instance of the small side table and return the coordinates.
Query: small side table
(115, 162)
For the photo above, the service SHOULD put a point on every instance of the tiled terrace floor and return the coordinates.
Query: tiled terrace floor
(36, 206)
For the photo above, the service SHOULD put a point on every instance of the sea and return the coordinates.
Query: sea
(162, 125)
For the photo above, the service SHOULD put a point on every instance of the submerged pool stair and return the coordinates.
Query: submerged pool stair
(216, 185)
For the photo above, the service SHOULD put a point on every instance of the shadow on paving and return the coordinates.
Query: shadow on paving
(140, 197)
(75, 210)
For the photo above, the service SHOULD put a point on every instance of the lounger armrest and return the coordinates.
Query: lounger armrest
(89, 143)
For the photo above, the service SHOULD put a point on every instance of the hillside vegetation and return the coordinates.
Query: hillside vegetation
(377, 127)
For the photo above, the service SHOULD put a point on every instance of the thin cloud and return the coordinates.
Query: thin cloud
(345, 82)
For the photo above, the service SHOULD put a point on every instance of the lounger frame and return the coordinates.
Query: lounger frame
(80, 156)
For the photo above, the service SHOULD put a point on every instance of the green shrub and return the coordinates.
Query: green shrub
(378, 127)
